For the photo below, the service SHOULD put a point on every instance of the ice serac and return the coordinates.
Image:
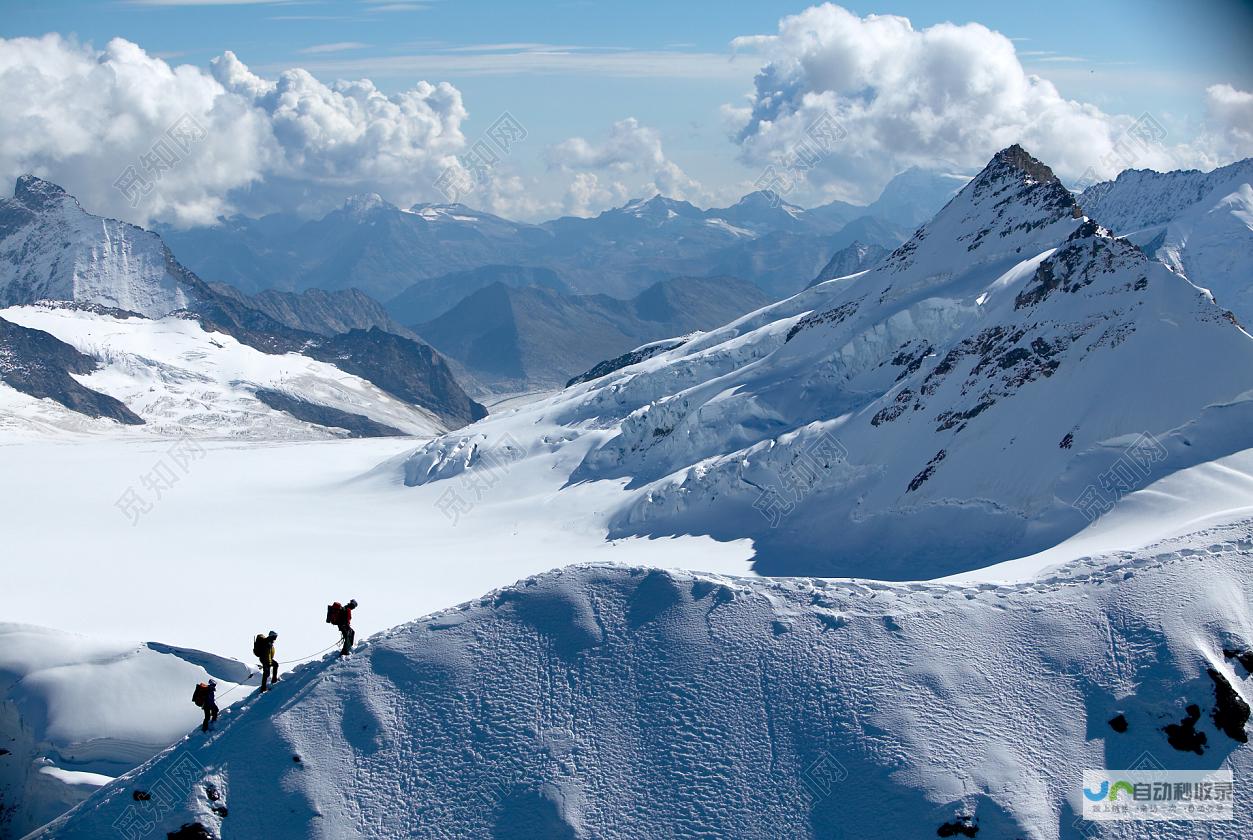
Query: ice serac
(606, 701)
(947, 409)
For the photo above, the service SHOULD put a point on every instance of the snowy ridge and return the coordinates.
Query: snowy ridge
(1142, 198)
(1198, 223)
(935, 414)
(602, 701)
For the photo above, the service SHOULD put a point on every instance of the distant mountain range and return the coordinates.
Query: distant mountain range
(856, 257)
(416, 256)
(514, 339)
(65, 275)
(428, 299)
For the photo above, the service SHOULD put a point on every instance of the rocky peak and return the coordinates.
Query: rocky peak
(36, 193)
(1015, 158)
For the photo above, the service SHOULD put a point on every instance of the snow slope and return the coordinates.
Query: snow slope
(943, 411)
(181, 379)
(75, 712)
(619, 702)
(256, 535)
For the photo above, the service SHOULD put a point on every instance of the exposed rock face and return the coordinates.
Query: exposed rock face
(320, 311)
(38, 364)
(356, 425)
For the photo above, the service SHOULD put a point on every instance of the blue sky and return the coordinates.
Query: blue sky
(573, 69)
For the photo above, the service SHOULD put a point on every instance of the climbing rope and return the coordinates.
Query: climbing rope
(252, 674)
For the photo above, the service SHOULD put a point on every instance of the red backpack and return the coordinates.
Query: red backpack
(335, 613)
(201, 694)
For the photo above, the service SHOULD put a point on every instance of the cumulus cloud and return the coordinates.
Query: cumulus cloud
(629, 162)
(945, 94)
(81, 117)
(1230, 117)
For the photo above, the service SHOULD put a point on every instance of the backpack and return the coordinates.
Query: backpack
(335, 613)
(200, 695)
(261, 646)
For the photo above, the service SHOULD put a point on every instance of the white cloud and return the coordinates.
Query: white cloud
(633, 161)
(337, 46)
(1229, 114)
(946, 94)
(80, 117)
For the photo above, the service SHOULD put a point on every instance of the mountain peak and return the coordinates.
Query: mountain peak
(1089, 230)
(1015, 157)
(364, 203)
(659, 206)
(35, 192)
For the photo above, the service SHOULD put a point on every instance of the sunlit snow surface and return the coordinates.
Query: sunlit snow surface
(622, 702)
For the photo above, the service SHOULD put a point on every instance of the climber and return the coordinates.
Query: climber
(263, 648)
(203, 697)
(341, 616)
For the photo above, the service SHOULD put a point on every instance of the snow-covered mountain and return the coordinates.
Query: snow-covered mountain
(961, 403)
(41, 367)
(915, 195)
(50, 249)
(602, 701)
(118, 279)
(762, 212)
(1198, 223)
